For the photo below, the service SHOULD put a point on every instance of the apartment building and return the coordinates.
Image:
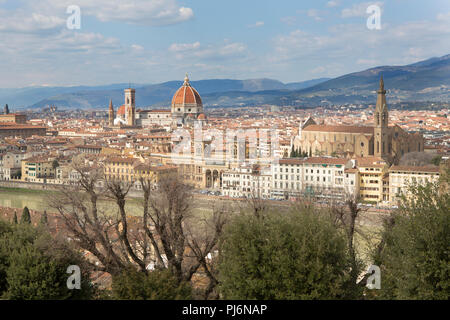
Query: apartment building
(130, 170)
(287, 178)
(247, 181)
(401, 177)
(153, 173)
(120, 168)
(38, 169)
(320, 177)
(11, 164)
(326, 178)
(372, 172)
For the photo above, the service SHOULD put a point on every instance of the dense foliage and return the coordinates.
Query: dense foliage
(26, 217)
(415, 258)
(296, 255)
(156, 285)
(33, 265)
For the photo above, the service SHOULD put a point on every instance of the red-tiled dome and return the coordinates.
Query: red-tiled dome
(186, 95)
(201, 116)
(121, 110)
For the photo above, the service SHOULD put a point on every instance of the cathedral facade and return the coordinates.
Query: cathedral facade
(381, 140)
(186, 108)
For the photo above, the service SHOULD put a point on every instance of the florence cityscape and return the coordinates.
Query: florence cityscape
(224, 151)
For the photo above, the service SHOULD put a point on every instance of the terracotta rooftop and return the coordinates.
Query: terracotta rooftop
(347, 129)
(323, 160)
(121, 160)
(291, 161)
(415, 168)
(155, 111)
(186, 94)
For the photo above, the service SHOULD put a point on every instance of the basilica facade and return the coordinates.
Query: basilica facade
(380, 140)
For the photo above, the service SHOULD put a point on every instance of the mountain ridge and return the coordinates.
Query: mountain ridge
(427, 80)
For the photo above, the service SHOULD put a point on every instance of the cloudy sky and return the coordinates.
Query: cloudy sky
(150, 41)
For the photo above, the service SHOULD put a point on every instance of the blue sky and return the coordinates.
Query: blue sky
(150, 41)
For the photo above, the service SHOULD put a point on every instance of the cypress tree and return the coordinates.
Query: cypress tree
(44, 218)
(25, 218)
(15, 218)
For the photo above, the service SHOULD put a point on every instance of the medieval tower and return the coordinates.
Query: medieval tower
(111, 114)
(130, 112)
(381, 118)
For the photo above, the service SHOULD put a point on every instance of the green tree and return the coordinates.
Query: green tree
(157, 285)
(414, 255)
(5, 232)
(55, 164)
(292, 155)
(15, 221)
(33, 266)
(44, 219)
(295, 255)
(25, 218)
(436, 160)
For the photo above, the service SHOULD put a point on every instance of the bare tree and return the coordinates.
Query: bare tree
(202, 241)
(91, 228)
(163, 236)
(345, 216)
(257, 205)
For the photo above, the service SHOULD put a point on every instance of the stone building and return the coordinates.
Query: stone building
(381, 140)
(187, 105)
(126, 113)
(186, 108)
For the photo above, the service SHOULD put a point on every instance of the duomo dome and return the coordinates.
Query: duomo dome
(187, 100)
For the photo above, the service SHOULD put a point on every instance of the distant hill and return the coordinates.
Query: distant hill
(427, 80)
(24, 97)
(154, 94)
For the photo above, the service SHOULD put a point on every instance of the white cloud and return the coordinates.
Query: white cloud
(180, 47)
(137, 48)
(332, 3)
(195, 50)
(443, 16)
(371, 62)
(359, 9)
(318, 70)
(142, 12)
(353, 46)
(289, 20)
(232, 48)
(314, 13)
(24, 22)
(257, 24)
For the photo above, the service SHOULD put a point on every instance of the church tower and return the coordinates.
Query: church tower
(130, 112)
(111, 114)
(381, 119)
